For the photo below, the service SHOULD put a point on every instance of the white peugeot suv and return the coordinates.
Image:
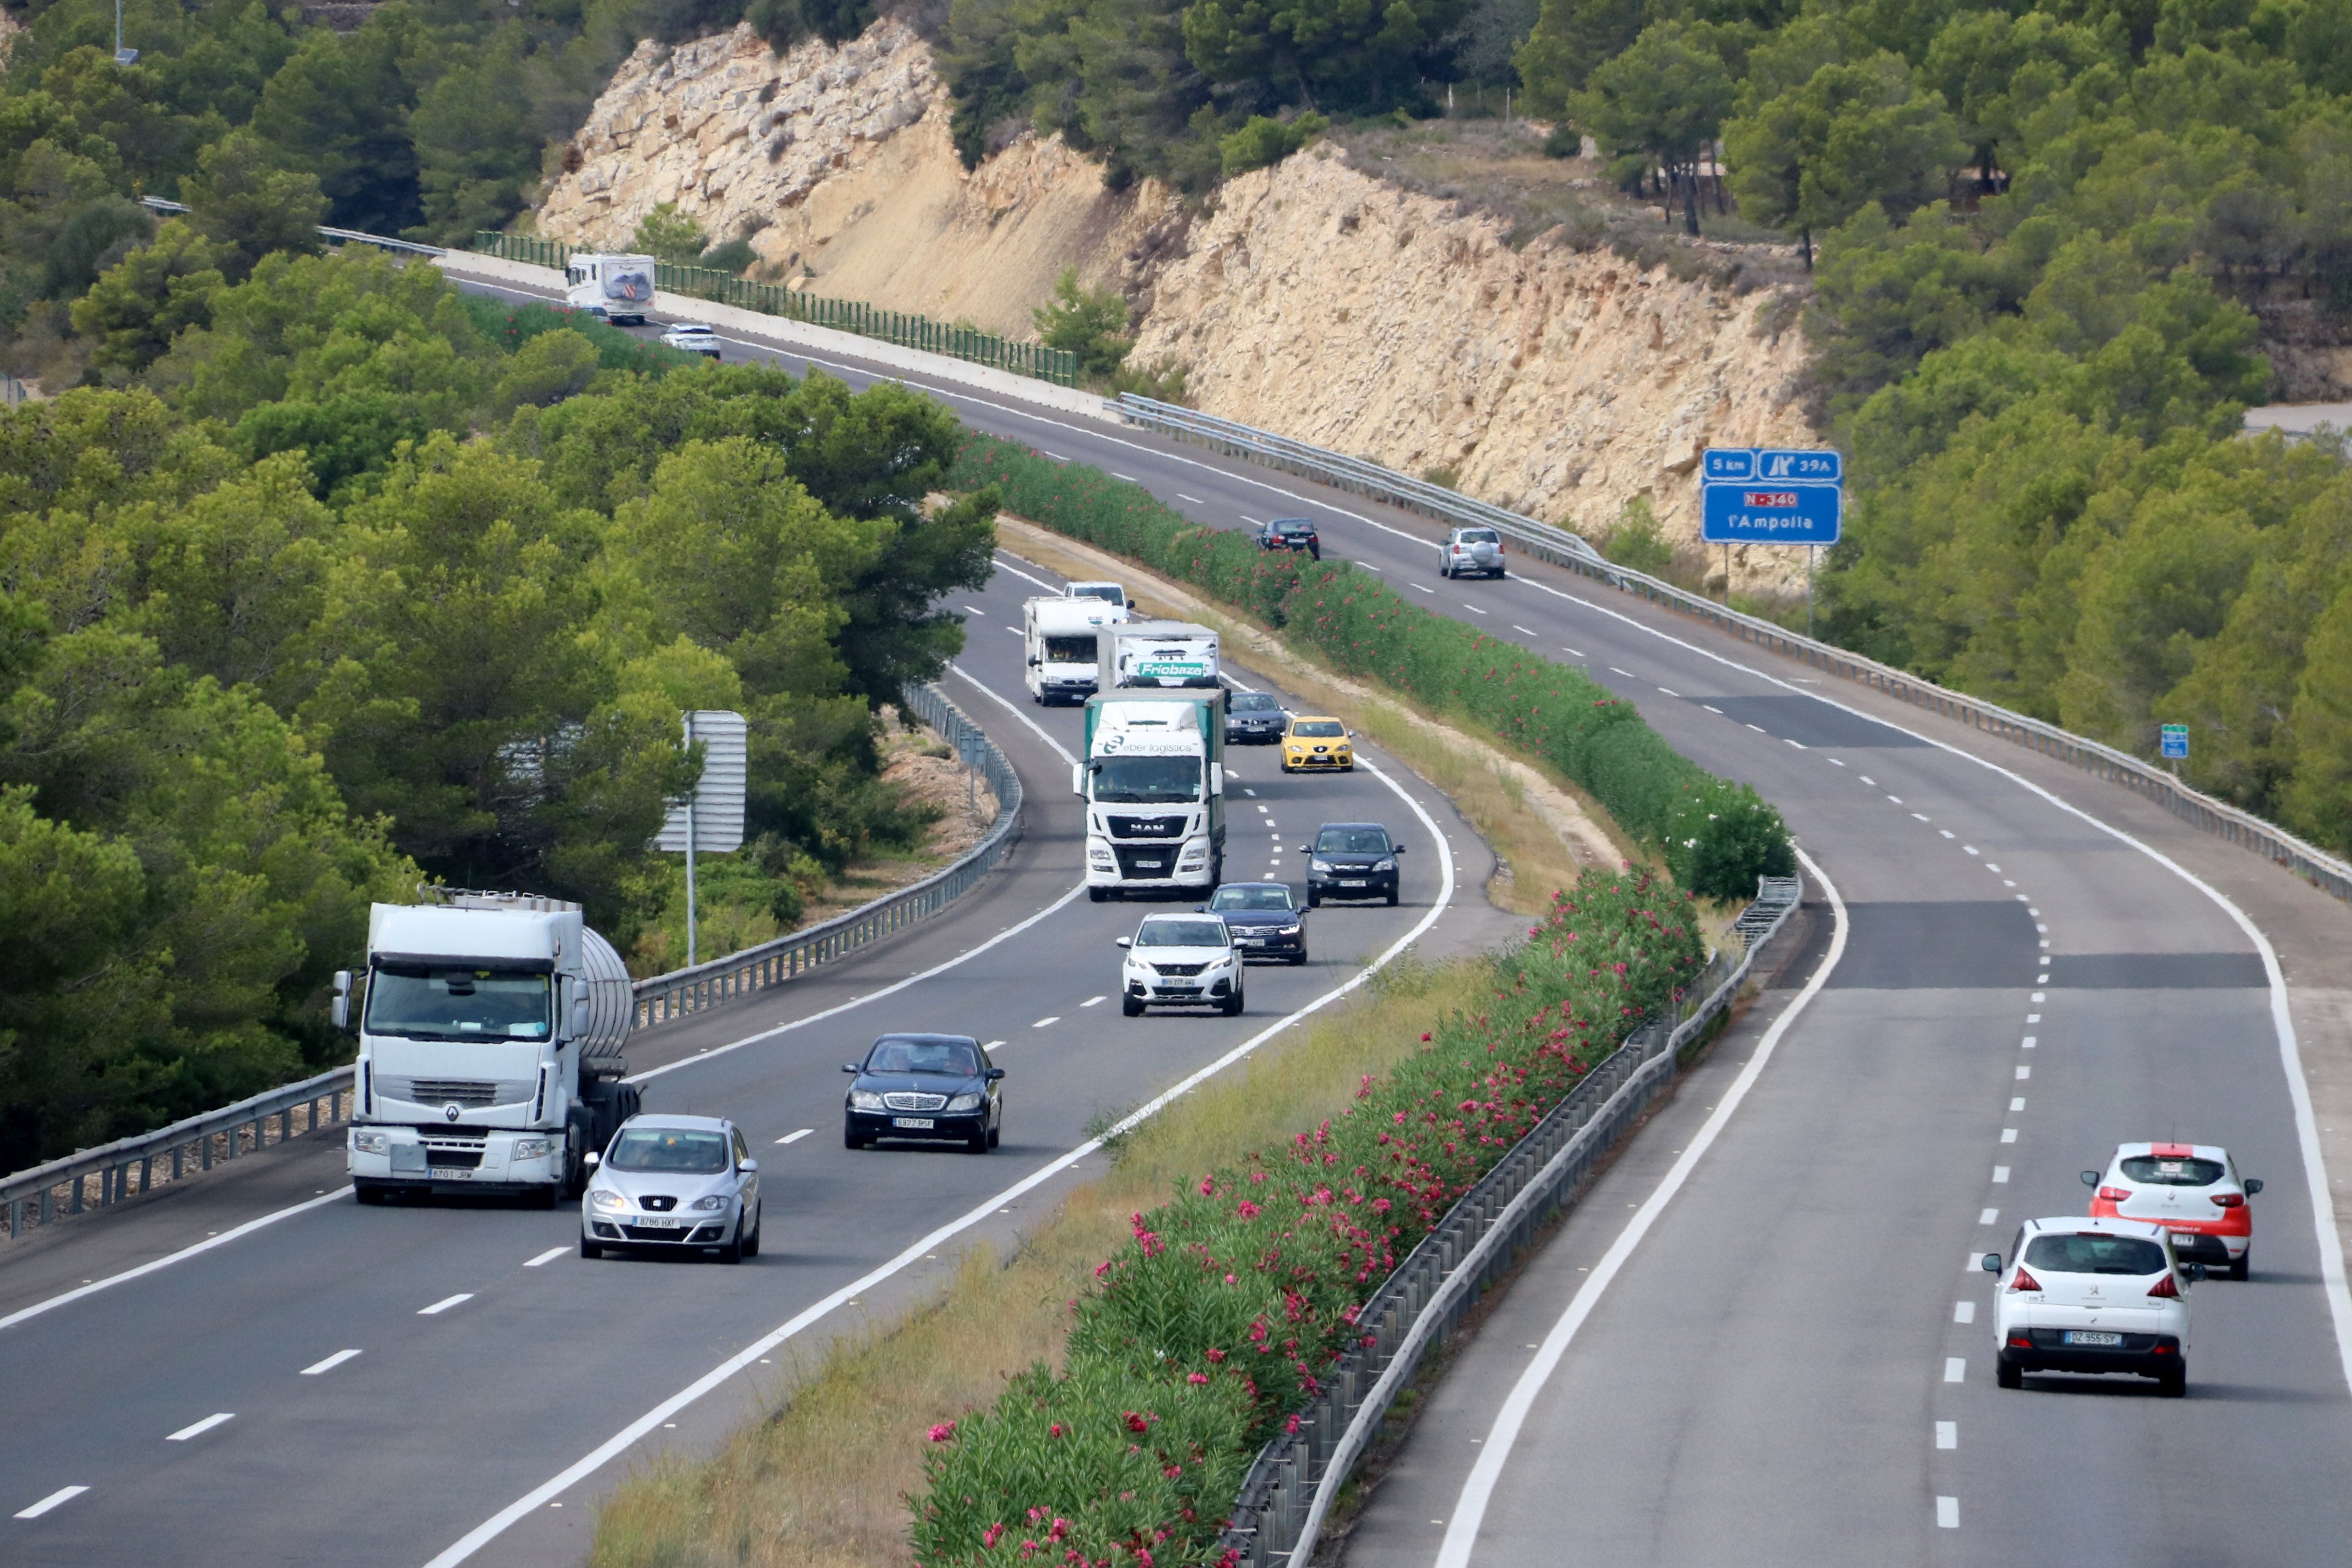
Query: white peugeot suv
(2087, 1295)
(1182, 961)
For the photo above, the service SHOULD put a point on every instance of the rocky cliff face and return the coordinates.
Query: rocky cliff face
(1325, 304)
(836, 163)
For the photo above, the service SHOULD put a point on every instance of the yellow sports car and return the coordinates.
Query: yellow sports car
(1311, 743)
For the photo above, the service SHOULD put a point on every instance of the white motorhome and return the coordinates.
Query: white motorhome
(618, 288)
(1156, 653)
(1059, 638)
(490, 1031)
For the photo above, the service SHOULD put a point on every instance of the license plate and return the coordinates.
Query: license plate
(451, 1173)
(916, 1121)
(1346, 883)
(658, 1221)
(2092, 1337)
(1249, 942)
(1149, 865)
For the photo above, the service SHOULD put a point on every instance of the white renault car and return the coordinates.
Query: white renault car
(2087, 1295)
(1180, 961)
(2193, 1189)
(673, 1183)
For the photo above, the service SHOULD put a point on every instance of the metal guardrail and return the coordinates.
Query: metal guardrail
(130, 1167)
(1287, 1495)
(1563, 549)
(339, 235)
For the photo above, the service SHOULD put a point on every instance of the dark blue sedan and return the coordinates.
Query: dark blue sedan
(1265, 918)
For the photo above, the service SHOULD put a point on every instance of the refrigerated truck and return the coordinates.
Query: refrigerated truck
(1060, 636)
(490, 1033)
(1154, 784)
(1157, 653)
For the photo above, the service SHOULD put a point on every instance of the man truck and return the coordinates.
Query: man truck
(490, 1031)
(1157, 653)
(1060, 636)
(1154, 784)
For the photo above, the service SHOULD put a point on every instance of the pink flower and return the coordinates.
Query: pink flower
(988, 1538)
(1215, 1354)
(943, 1432)
(1197, 1377)
(1247, 1210)
(1208, 1187)
(1055, 1430)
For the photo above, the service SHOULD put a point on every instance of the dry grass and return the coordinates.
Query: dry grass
(821, 1483)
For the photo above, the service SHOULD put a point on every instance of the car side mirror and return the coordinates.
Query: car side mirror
(2253, 1185)
(1396, 848)
(2192, 1272)
(1200, 908)
(749, 1167)
(1126, 941)
(2090, 1178)
(592, 1159)
(1993, 1262)
(993, 1074)
(1306, 849)
(851, 1066)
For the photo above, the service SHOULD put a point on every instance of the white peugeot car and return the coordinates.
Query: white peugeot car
(673, 1183)
(1180, 961)
(2086, 1295)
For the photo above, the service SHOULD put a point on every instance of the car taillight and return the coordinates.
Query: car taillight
(2166, 1288)
(2021, 1342)
(2228, 1200)
(2024, 1282)
(2113, 1195)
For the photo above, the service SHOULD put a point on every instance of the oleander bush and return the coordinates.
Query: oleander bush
(1716, 837)
(1207, 1332)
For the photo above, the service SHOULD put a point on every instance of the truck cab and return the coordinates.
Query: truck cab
(1154, 784)
(1060, 637)
(620, 288)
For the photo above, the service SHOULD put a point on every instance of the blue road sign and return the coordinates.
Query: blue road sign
(1822, 467)
(1729, 463)
(2174, 741)
(1760, 511)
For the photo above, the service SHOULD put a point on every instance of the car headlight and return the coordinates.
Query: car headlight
(706, 1205)
(964, 1102)
(865, 1099)
(606, 1198)
(1383, 865)
(1324, 865)
(533, 1148)
(1290, 929)
(370, 1142)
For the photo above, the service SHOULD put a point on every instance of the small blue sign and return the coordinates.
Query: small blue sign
(1821, 467)
(2174, 741)
(1760, 511)
(1730, 463)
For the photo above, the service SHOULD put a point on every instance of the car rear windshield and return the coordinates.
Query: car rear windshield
(1481, 536)
(947, 1058)
(1293, 525)
(2084, 1254)
(1318, 728)
(2151, 1172)
(1268, 898)
(1182, 934)
(1254, 702)
(670, 1148)
(1352, 841)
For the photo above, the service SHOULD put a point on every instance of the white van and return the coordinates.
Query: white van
(1059, 638)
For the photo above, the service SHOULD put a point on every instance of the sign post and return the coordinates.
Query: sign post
(1772, 496)
(710, 817)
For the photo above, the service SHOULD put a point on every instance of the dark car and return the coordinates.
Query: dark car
(1351, 860)
(1264, 919)
(1291, 533)
(933, 1088)
(1254, 718)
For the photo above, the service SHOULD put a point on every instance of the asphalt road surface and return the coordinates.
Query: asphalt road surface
(1767, 1340)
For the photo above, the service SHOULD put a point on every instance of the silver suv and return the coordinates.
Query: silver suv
(1468, 549)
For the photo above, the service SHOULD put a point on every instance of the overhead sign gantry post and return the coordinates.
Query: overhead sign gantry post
(1766, 495)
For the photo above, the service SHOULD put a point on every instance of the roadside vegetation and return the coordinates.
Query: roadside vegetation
(358, 582)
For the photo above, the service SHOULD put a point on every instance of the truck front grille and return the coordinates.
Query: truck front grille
(468, 1093)
(1147, 826)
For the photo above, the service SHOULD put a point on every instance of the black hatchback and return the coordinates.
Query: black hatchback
(1291, 533)
(1351, 860)
(931, 1088)
(1254, 718)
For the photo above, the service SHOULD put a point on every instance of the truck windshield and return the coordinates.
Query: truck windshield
(1077, 649)
(1148, 781)
(458, 1003)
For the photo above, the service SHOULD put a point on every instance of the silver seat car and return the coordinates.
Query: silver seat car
(1471, 550)
(673, 1183)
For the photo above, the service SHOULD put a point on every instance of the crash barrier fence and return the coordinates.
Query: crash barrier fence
(1286, 1498)
(905, 328)
(1566, 550)
(130, 1167)
(339, 236)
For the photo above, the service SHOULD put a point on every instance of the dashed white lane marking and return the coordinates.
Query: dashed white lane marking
(1056, 455)
(2017, 1102)
(1092, 1000)
(62, 1495)
(2034, 1017)
(1474, 609)
(1947, 1514)
(1964, 1311)
(443, 1305)
(1956, 1369)
(1524, 631)
(1042, 1022)
(1628, 674)
(1835, 763)
(1947, 1433)
(2027, 1041)
(991, 1044)
(1573, 652)
(2009, 1134)
(2000, 1176)
(1758, 729)
(1245, 517)
(1196, 501)
(541, 1261)
(1802, 746)
(975, 610)
(796, 1137)
(2023, 1073)
(2007, 883)
(1669, 691)
(198, 1429)
(1712, 708)
(1898, 800)
(1914, 813)
(1253, 795)
(1130, 479)
(319, 1368)
(1989, 1217)
(1016, 631)
(1969, 848)
(1418, 588)
(1947, 832)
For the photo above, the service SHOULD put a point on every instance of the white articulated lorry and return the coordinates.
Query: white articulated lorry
(1157, 653)
(618, 288)
(490, 1032)
(1060, 636)
(1154, 785)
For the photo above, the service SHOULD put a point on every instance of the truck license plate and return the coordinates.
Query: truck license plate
(451, 1173)
(1149, 865)
(915, 1121)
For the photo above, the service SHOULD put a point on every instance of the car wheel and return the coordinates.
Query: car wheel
(2172, 1384)
(1130, 1007)
(1233, 1004)
(849, 1137)
(1392, 896)
(733, 1251)
(2244, 1266)
(997, 1135)
(2008, 1375)
(1314, 899)
(751, 1242)
(978, 1143)
(1298, 958)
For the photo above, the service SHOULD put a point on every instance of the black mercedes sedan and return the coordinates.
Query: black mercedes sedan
(934, 1088)
(1265, 918)
(1351, 860)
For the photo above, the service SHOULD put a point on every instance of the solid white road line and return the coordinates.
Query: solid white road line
(199, 1428)
(443, 1305)
(62, 1495)
(319, 1367)
(544, 1258)
(1470, 1507)
(1024, 576)
(1010, 706)
(620, 1442)
(796, 1136)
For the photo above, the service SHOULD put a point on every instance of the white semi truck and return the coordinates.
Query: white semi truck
(1154, 785)
(1157, 653)
(490, 1032)
(1060, 636)
(618, 288)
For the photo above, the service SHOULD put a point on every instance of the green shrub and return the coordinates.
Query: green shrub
(669, 235)
(735, 256)
(1262, 141)
(1636, 541)
(1564, 142)
(1089, 323)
